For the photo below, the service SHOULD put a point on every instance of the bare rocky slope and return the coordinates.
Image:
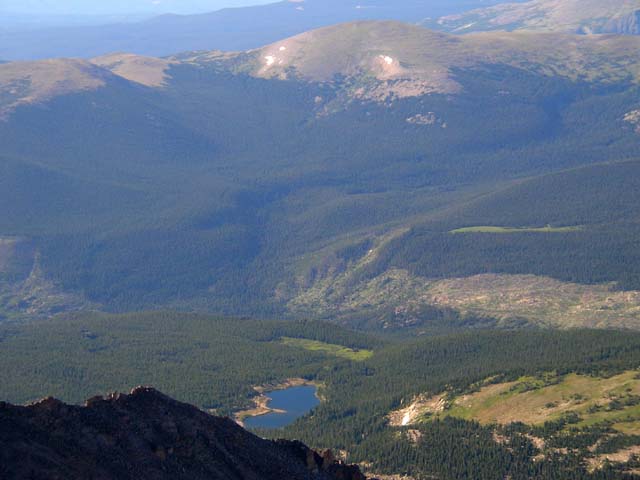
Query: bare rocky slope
(147, 435)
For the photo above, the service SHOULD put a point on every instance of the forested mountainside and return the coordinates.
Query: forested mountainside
(147, 434)
(483, 404)
(245, 183)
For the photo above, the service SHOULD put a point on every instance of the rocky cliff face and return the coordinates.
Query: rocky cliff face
(147, 435)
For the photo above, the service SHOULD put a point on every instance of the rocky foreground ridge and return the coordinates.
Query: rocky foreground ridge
(147, 435)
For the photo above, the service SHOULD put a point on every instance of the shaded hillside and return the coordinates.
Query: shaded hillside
(556, 250)
(146, 435)
(598, 201)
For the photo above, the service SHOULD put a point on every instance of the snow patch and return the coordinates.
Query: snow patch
(270, 60)
(387, 59)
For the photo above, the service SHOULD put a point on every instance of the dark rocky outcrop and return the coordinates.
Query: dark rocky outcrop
(147, 435)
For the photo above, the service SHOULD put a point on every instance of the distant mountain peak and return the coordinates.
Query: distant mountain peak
(371, 61)
(36, 82)
(148, 71)
(383, 50)
(23, 83)
(387, 60)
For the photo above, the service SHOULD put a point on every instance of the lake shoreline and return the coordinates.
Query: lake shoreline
(261, 401)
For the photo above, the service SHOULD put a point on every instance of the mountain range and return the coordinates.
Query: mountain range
(309, 176)
(227, 29)
(116, 7)
(252, 27)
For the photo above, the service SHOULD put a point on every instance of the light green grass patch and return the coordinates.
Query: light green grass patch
(355, 355)
(535, 400)
(490, 229)
(625, 420)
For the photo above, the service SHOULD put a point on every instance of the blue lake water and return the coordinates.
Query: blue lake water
(296, 401)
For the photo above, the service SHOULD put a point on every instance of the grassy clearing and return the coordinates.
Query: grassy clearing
(328, 348)
(489, 229)
(534, 401)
